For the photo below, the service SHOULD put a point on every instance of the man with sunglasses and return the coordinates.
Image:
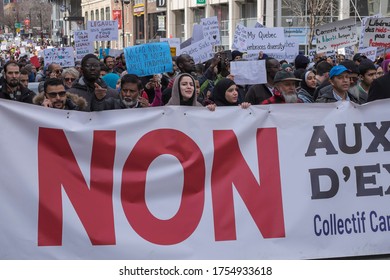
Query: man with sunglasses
(55, 96)
(54, 70)
(90, 86)
(11, 88)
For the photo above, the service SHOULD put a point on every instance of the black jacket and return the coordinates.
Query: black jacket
(379, 88)
(327, 96)
(257, 94)
(21, 94)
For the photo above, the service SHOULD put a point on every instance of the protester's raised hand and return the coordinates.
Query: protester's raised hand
(100, 92)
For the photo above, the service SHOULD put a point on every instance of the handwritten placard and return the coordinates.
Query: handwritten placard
(370, 52)
(148, 59)
(211, 30)
(266, 40)
(363, 24)
(336, 35)
(200, 51)
(61, 56)
(249, 72)
(82, 44)
(103, 30)
(240, 38)
(291, 50)
(377, 32)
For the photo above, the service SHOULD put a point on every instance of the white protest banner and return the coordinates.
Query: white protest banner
(377, 32)
(200, 51)
(211, 30)
(249, 72)
(82, 44)
(370, 52)
(103, 30)
(363, 24)
(290, 181)
(62, 56)
(266, 40)
(291, 50)
(336, 35)
(148, 59)
(240, 38)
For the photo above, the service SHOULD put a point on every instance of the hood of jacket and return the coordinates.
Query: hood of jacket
(78, 101)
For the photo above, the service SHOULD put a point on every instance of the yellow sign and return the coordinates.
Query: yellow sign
(173, 51)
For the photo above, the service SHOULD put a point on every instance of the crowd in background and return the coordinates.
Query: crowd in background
(95, 84)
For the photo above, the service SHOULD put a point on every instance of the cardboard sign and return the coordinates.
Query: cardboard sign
(61, 56)
(82, 44)
(200, 51)
(377, 32)
(336, 35)
(173, 43)
(148, 59)
(103, 30)
(249, 72)
(363, 24)
(211, 30)
(267, 40)
(240, 38)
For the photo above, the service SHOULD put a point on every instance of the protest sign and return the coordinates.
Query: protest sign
(103, 52)
(211, 30)
(377, 32)
(240, 38)
(197, 33)
(148, 59)
(291, 50)
(370, 52)
(266, 40)
(173, 43)
(103, 30)
(82, 44)
(312, 54)
(200, 51)
(363, 24)
(249, 72)
(115, 52)
(335, 35)
(62, 56)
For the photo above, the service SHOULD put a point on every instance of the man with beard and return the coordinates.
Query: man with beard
(90, 86)
(55, 96)
(285, 90)
(11, 88)
(260, 92)
(131, 96)
(340, 80)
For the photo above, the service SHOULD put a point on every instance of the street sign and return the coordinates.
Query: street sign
(18, 25)
(200, 1)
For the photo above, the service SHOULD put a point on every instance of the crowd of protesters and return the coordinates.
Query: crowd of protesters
(95, 84)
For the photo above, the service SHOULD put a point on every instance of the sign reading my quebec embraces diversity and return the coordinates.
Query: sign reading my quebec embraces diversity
(187, 183)
(336, 35)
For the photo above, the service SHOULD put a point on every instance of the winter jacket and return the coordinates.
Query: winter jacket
(21, 93)
(328, 97)
(73, 101)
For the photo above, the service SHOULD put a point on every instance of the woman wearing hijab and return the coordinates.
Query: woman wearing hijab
(308, 86)
(225, 93)
(184, 92)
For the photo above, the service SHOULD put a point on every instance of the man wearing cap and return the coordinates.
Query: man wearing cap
(340, 81)
(285, 89)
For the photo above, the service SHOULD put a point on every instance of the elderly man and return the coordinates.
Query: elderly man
(54, 70)
(11, 88)
(340, 80)
(90, 86)
(285, 90)
(55, 96)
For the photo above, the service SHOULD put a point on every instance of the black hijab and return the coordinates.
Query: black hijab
(220, 90)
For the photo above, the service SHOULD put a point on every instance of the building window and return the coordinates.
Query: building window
(199, 13)
(180, 25)
(97, 14)
(102, 14)
(108, 13)
(92, 16)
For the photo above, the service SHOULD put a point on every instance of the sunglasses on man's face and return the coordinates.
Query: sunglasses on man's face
(70, 79)
(59, 71)
(54, 94)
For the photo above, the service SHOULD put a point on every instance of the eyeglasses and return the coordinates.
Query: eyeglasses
(54, 94)
(58, 71)
(70, 79)
(89, 66)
